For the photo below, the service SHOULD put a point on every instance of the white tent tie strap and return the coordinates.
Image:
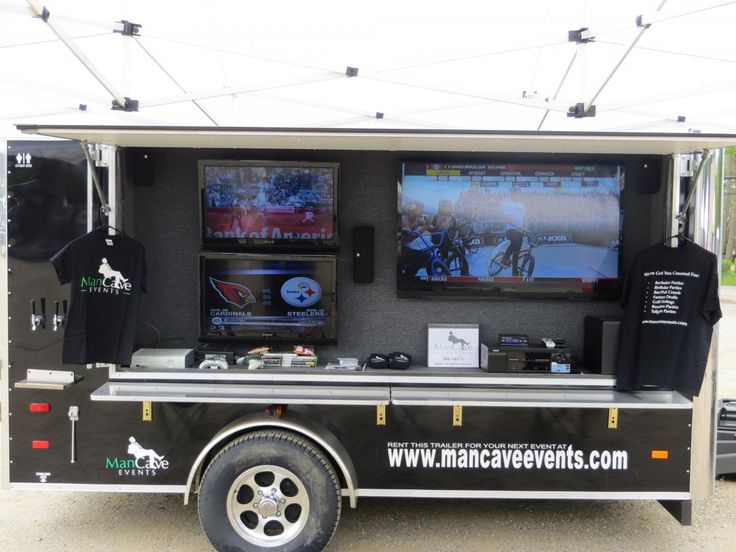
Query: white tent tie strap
(171, 77)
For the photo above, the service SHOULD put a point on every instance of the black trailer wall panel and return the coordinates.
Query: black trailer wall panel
(166, 219)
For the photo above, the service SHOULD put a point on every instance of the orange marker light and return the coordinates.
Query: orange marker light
(660, 454)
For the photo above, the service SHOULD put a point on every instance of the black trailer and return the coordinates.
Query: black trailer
(272, 452)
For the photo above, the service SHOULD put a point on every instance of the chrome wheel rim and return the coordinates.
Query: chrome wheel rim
(268, 505)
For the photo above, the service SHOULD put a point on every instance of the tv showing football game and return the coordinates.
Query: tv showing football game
(516, 229)
(268, 203)
(265, 298)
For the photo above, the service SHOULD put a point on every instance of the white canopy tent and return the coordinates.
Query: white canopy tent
(420, 65)
(326, 67)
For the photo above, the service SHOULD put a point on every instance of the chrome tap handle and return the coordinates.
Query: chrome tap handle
(38, 320)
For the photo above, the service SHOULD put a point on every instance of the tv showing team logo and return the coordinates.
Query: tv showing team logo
(269, 203)
(267, 298)
(509, 229)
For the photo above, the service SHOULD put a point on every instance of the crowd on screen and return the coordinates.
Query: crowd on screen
(293, 189)
(554, 211)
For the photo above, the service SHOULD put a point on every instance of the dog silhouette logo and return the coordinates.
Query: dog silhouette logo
(116, 278)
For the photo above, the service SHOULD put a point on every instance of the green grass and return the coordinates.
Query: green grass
(728, 278)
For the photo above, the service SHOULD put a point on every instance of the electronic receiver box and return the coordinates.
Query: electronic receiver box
(162, 358)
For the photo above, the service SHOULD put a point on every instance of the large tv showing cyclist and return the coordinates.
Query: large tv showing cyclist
(509, 229)
(269, 204)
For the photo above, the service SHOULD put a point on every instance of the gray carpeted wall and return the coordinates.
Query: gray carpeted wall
(165, 217)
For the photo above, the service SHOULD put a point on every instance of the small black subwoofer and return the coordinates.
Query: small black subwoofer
(601, 341)
(647, 173)
(363, 238)
(143, 168)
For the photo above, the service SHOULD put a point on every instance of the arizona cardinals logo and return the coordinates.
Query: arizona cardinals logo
(235, 294)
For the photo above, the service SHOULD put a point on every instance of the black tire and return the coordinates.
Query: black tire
(527, 267)
(242, 509)
(495, 266)
(458, 265)
(437, 267)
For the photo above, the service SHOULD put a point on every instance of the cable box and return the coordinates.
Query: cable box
(529, 359)
(162, 358)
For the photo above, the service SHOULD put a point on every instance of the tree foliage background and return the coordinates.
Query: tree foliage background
(729, 204)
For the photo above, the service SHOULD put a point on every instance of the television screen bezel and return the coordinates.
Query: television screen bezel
(510, 290)
(332, 259)
(267, 244)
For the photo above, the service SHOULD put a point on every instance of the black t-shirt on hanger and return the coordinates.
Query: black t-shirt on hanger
(107, 275)
(670, 301)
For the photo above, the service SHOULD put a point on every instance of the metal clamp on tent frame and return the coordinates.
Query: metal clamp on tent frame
(104, 205)
(580, 36)
(127, 28)
(579, 112)
(128, 105)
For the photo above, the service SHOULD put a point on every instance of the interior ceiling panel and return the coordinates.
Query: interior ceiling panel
(420, 64)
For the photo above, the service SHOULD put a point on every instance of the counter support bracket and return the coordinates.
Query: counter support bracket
(681, 510)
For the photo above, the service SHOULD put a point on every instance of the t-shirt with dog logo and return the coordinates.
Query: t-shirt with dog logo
(107, 275)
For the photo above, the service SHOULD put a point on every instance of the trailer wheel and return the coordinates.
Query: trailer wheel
(269, 490)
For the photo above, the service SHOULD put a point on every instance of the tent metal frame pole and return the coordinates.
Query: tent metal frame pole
(92, 168)
(620, 62)
(559, 87)
(695, 182)
(43, 14)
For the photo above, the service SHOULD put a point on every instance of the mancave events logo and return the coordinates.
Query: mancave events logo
(144, 462)
(112, 281)
(235, 294)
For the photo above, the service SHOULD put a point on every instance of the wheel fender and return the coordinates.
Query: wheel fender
(291, 422)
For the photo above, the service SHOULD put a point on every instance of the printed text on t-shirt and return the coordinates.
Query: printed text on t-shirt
(663, 294)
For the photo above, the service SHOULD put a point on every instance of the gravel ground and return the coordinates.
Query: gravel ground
(727, 344)
(59, 522)
(130, 523)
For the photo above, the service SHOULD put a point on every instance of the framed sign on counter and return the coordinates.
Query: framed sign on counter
(453, 345)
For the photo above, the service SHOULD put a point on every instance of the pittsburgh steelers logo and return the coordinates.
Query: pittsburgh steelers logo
(301, 292)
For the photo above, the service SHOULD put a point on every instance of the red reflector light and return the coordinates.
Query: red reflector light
(39, 407)
(40, 444)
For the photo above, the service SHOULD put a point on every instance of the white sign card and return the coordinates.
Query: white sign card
(453, 345)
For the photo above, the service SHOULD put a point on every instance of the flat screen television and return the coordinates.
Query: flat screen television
(268, 203)
(267, 298)
(516, 229)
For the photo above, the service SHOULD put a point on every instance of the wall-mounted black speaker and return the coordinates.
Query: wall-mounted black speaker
(363, 238)
(142, 168)
(600, 344)
(646, 173)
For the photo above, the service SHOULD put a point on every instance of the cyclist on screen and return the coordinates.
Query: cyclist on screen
(444, 220)
(413, 225)
(514, 214)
